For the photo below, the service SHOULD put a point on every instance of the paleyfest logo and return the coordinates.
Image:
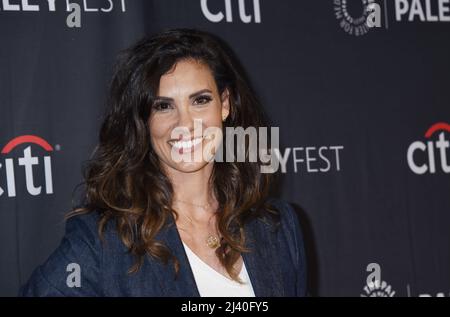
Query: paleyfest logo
(368, 17)
(375, 287)
(358, 17)
(9, 166)
(73, 8)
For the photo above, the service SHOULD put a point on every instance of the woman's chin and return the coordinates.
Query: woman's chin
(189, 167)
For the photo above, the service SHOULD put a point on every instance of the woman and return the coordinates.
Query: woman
(155, 225)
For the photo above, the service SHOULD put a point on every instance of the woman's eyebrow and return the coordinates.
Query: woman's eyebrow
(162, 98)
(195, 94)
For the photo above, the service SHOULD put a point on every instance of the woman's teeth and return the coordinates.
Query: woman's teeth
(187, 144)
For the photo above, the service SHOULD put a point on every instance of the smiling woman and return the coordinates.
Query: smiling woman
(186, 93)
(152, 225)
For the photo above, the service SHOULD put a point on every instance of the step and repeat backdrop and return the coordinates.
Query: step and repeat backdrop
(360, 90)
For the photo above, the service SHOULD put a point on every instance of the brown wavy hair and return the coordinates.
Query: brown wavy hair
(124, 181)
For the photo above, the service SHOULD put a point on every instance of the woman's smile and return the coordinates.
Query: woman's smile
(186, 146)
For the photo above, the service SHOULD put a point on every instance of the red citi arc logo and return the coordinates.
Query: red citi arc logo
(422, 156)
(27, 161)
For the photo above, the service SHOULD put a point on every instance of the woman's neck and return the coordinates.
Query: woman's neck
(192, 188)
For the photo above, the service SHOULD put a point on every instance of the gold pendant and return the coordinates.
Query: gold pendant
(213, 242)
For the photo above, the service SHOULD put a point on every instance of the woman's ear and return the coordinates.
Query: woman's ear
(225, 98)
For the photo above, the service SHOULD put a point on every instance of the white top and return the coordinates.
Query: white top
(211, 283)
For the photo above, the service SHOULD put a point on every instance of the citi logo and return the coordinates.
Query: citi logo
(422, 155)
(27, 161)
(247, 13)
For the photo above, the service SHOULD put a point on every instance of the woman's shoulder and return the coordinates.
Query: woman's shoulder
(287, 225)
(83, 230)
(285, 213)
(79, 252)
(281, 204)
(86, 223)
(87, 226)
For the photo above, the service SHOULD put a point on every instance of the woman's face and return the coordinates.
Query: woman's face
(186, 93)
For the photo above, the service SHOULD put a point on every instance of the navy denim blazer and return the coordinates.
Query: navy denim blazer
(276, 264)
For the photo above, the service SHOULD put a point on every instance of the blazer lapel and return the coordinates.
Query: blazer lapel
(171, 285)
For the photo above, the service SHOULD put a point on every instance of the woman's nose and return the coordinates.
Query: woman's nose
(185, 124)
(185, 119)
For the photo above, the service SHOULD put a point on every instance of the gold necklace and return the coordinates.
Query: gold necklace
(212, 240)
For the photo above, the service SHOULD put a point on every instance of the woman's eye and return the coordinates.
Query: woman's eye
(162, 106)
(202, 100)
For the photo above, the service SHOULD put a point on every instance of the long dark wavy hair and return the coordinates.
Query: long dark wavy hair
(124, 181)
